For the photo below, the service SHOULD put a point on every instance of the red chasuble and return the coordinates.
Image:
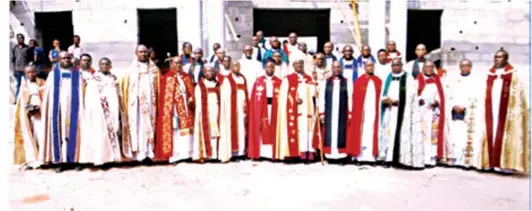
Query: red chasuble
(292, 113)
(260, 126)
(441, 123)
(494, 150)
(354, 140)
(220, 78)
(204, 101)
(234, 121)
(170, 97)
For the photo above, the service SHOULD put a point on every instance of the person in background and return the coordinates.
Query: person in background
(20, 57)
(75, 49)
(53, 55)
(215, 48)
(39, 59)
(153, 57)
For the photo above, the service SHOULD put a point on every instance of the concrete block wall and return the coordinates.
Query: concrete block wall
(476, 29)
(109, 28)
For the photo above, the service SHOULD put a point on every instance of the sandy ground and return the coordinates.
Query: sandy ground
(265, 186)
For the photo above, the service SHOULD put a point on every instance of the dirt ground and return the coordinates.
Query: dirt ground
(250, 185)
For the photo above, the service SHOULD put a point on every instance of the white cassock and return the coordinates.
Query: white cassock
(223, 71)
(101, 143)
(382, 70)
(348, 70)
(323, 75)
(466, 136)
(368, 120)
(281, 70)
(139, 87)
(255, 54)
(212, 114)
(388, 146)
(251, 69)
(308, 61)
(427, 122)
(335, 154)
(225, 148)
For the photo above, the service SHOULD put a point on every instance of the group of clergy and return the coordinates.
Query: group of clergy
(276, 103)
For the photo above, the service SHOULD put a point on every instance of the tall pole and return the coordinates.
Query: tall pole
(398, 23)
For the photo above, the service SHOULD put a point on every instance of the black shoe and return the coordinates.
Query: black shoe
(78, 168)
(58, 169)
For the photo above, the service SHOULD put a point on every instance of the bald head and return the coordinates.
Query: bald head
(220, 53)
(235, 67)
(428, 67)
(298, 66)
(208, 72)
(365, 51)
(391, 47)
(369, 67)
(421, 51)
(302, 46)
(248, 51)
(397, 65)
(65, 59)
(337, 68)
(274, 42)
(142, 53)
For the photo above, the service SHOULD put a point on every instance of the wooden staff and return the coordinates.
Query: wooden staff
(318, 124)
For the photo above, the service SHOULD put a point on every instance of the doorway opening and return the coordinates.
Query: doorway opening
(423, 26)
(304, 22)
(54, 25)
(158, 30)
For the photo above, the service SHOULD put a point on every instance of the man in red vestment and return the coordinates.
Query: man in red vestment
(206, 123)
(175, 116)
(233, 115)
(296, 117)
(363, 144)
(262, 115)
(506, 141)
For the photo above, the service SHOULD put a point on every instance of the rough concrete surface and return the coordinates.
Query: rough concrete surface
(250, 185)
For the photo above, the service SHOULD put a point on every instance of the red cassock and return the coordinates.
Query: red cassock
(354, 137)
(441, 123)
(169, 98)
(262, 128)
(234, 121)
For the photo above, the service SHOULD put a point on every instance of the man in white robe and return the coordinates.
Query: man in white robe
(397, 146)
(281, 68)
(27, 119)
(328, 48)
(62, 110)
(85, 66)
(365, 56)
(101, 133)
(251, 68)
(382, 69)
(466, 112)
(195, 68)
(335, 111)
(258, 50)
(139, 91)
(432, 126)
(233, 115)
(206, 122)
(321, 72)
(415, 67)
(363, 144)
(292, 45)
(302, 53)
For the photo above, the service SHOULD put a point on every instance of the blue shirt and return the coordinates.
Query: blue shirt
(269, 54)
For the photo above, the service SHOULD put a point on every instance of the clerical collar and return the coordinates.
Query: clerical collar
(428, 76)
(398, 74)
(328, 55)
(465, 74)
(368, 57)
(422, 59)
(349, 59)
(105, 73)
